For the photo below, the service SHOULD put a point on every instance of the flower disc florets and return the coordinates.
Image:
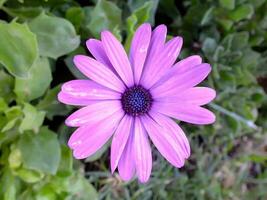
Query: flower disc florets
(136, 101)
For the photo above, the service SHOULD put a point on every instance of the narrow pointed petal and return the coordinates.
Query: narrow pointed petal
(119, 140)
(162, 62)
(82, 92)
(97, 50)
(165, 141)
(176, 131)
(86, 140)
(139, 49)
(180, 67)
(93, 113)
(72, 100)
(79, 136)
(196, 96)
(179, 82)
(98, 73)
(185, 112)
(117, 57)
(126, 164)
(142, 152)
(157, 42)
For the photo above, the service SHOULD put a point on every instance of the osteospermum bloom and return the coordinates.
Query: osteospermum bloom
(134, 100)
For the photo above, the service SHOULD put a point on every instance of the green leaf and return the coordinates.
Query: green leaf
(6, 86)
(51, 105)
(24, 13)
(29, 176)
(36, 83)
(229, 4)
(8, 187)
(56, 36)
(3, 105)
(13, 115)
(105, 15)
(46, 193)
(14, 158)
(40, 151)
(244, 11)
(137, 4)
(33, 119)
(2, 2)
(209, 46)
(76, 16)
(18, 48)
(66, 162)
(81, 189)
(138, 17)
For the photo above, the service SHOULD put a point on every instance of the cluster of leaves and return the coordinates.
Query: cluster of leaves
(37, 42)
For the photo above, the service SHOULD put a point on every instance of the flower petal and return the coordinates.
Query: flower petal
(180, 67)
(93, 113)
(157, 41)
(72, 100)
(97, 50)
(126, 166)
(119, 140)
(139, 49)
(185, 112)
(82, 92)
(142, 152)
(196, 95)
(176, 131)
(98, 73)
(117, 57)
(178, 82)
(165, 141)
(162, 62)
(86, 140)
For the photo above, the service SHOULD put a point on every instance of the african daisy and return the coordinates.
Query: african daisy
(134, 100)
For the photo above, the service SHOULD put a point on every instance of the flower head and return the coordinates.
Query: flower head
(133, 100)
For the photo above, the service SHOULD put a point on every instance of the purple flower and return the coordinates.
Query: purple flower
(134, 100)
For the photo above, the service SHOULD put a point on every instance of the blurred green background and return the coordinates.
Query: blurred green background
(38, 39)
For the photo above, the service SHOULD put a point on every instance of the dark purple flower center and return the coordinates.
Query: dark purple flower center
(136, 100)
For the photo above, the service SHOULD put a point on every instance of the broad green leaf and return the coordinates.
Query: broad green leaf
(29, 176)
(2, 2)
(76, 16)
(3, 105)
(33, 119)
(208, 47)
(56, 36)
(51, 105)
(105, 15)
(36, 83)
(136, 4)
(229, 4)
(6, 86)
(8, 187)
(69, 62)
(244, 11)
(14, 158)
(66, 162)
(18, 48)
(40, 151)
(81, 189)
(24, 13)
(46, 193)
(13, 115)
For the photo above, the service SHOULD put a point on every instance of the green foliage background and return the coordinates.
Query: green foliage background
(38, 39)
